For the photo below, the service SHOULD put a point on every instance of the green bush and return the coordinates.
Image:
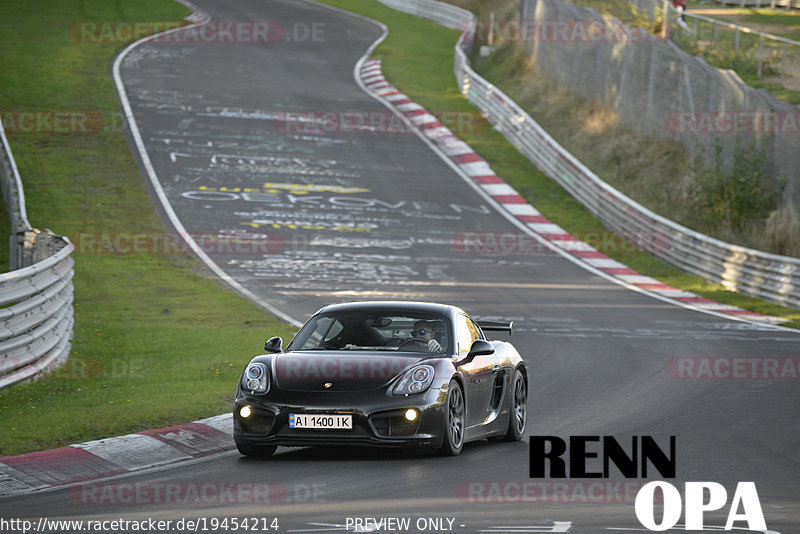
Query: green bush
(735, 195)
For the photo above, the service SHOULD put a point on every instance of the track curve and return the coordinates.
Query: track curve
(368, 214)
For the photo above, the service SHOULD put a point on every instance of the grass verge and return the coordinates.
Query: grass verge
(157, 341)
(418, 59)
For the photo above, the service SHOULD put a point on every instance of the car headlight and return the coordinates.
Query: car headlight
(256, 378)
(416, 380)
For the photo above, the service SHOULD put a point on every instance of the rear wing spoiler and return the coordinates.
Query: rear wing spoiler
(496, 326)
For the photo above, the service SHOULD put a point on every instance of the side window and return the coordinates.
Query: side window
(466, 332)
(474, 330)
(333, 329)
(325, 329)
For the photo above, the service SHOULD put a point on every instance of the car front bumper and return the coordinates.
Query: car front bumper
(378, 418)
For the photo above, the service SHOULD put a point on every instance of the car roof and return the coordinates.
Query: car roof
(393, 305)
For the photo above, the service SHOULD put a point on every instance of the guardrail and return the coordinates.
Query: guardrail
(774, 4)
(14, 198)
(769, 276)
(36, 315)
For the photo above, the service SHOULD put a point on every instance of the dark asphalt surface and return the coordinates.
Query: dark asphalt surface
(365, 214)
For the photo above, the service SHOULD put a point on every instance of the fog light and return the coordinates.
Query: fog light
(411, 414)
(245, 411)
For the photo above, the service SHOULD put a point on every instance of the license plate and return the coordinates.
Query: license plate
(321, 421)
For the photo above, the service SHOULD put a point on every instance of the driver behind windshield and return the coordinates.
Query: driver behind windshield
(423, 335)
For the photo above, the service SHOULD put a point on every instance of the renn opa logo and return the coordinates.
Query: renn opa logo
(593, 456)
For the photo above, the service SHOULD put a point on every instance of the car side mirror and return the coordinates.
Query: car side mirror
(274, 344)
(480, 347)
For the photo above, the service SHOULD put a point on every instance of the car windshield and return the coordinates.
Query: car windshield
(375, 330)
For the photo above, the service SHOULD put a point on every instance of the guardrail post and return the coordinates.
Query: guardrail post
(15, 251)
(27, 248)
(664, 20)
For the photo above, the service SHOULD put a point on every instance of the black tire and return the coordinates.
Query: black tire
(257, 451)
(455, 422)
(518, 414)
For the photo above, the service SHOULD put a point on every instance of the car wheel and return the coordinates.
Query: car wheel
(258, 451)
(454, 421)
(519, 408)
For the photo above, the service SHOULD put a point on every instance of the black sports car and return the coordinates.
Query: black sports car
(403, 374)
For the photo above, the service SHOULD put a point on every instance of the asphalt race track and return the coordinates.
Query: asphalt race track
(337, 214)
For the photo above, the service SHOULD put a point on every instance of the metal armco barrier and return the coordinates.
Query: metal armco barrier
(774, 4)
(769, 276)
(36, 314)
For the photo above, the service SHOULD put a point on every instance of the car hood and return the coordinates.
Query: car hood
(340, 370)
